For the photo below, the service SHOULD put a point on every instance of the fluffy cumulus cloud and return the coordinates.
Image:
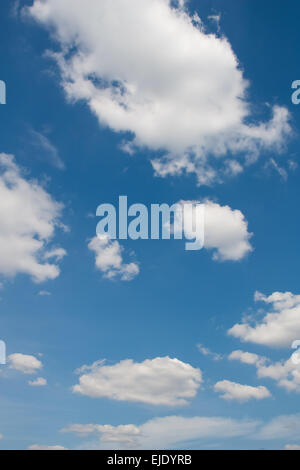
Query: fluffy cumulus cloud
(225, 229)
(286, 373)
(164, 433)
(278, 328)
(39, 382)
(161, 77)
(245, 357)
(239, 392)
(160, 381)
(42, 447)
(24, 363)
(29, 217)
(226, 232)
(109, 259)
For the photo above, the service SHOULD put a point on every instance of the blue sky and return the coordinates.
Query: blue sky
(179, 299)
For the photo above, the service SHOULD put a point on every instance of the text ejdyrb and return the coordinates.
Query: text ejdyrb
(183, 220)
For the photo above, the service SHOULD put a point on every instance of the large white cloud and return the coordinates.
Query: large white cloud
(160, 381)
(239, 392)
(150, 69)
(279, 328)
(165, 433)
(24, 363)
(109, 259)
(29, 217)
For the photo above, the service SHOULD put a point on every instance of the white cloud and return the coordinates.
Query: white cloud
(176, 88)
(285, 373)
(279, 328)
(226, 232)
(225, 229)
(24, 363)
(56, 253)
(246, 357)
(109, 259)
(279, 169)
(29, 217)
(239, 392)
(160, 381)
(41, 447)
(39, 382)
(292, 447)
(165, 433)
(44, 293)
(207, 352)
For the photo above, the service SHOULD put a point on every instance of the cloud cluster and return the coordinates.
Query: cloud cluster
(160, 381)
(278, 328)
(241, 393)
(177, 89)
(286, 373)
(29, 217)
(109, 259)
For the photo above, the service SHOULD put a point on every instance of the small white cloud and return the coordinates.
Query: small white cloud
(57, 253)
(44, 293)
(109, 259)
(39, 382)
(279, 169)
(160, 381)
(246, 357)
(24, 363)
(207, 352)
(292, 447)
(241, 393)
(278, 328)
